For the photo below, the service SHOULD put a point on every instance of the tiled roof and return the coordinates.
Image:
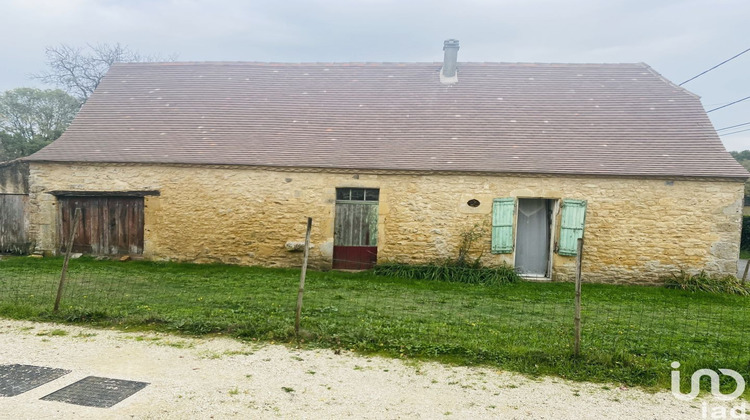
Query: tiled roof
(609, 119)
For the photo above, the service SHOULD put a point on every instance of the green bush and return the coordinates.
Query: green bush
(704, 283)
(451, 272)
(745, 240)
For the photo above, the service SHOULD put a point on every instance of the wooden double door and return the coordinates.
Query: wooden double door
(108, 225)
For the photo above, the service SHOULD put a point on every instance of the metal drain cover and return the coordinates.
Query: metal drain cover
(17, 379)
(94, 391)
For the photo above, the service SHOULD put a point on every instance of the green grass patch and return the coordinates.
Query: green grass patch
(53, 333)
(631, 334)
(745, 254)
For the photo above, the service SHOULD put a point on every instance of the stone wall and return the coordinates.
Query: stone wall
(636, 229)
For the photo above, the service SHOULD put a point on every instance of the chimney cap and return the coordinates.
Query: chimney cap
(450, 43)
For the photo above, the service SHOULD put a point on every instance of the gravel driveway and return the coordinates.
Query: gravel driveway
(223, 378)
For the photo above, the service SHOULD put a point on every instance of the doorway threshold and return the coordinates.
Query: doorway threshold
(536, 278)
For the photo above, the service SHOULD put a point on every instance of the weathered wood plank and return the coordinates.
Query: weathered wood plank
(13, 235)
(105, 193)
(356, 224)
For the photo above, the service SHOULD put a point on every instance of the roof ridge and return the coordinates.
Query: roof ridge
(370, 63)
(667, 81)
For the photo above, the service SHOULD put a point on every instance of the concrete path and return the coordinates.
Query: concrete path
(741, 269)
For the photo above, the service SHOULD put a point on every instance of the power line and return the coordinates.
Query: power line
(718, 65)
(734, 132)
(731, 103)
(732, 126)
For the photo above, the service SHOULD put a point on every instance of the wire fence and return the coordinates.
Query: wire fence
(527, 324)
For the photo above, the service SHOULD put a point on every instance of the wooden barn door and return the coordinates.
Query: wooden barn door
(355, 235)
(108, 226)
(13, 223)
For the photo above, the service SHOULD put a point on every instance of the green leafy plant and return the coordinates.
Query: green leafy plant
(703, 282)
(468, 237)
(490, 276)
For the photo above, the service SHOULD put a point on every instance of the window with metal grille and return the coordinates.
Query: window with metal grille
(357, 194)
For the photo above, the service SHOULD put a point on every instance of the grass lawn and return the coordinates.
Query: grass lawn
(630, 334)
(745, 254)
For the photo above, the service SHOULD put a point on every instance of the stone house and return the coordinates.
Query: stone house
(223, 162)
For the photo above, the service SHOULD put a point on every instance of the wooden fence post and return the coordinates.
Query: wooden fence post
(77, 217)
(302, 278)
(579, 258)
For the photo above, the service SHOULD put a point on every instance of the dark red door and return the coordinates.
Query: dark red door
(355, 244)
(354, 257)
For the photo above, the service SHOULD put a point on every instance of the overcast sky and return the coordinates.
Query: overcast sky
(678, 38)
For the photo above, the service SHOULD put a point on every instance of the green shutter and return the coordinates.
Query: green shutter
(503, 210)
(571, 228)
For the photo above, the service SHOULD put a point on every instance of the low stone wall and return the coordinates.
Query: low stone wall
(636, 229)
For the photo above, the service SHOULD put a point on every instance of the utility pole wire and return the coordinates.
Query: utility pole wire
(732, 126)
(731, 103)
(734, 132)
(718, 65)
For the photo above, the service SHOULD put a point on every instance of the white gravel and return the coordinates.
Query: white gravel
(224, 378)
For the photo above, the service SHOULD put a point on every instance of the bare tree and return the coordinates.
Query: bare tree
(79, 70)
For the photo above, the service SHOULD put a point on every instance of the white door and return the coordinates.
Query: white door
(533, 236)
